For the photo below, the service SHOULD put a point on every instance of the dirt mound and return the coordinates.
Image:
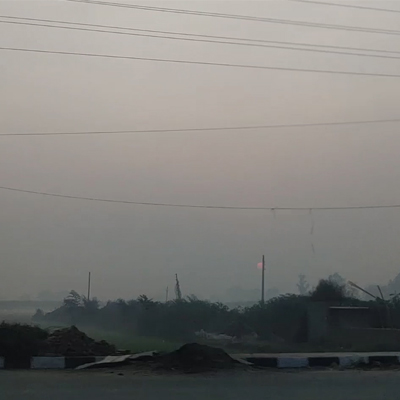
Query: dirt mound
(72, 342)
(190, 358)
(194, 357)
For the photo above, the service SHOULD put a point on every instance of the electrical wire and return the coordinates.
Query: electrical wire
(200, 40)
(199, 35)
(204, 63)
(97, 199)
(243, 17)
(322, 3)
(208, 129)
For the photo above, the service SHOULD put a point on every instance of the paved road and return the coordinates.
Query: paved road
(95, 385)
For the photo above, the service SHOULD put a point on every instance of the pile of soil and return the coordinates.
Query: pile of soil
(190, 358)
(72, 342)
(194, 357)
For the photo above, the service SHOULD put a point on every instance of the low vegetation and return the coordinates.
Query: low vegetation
(20, 340)
(143, 324)
(281, 319)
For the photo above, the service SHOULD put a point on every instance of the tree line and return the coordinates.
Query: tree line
(281, 318)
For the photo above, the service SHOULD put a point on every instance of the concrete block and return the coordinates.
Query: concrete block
(292, 362)
(48, 362)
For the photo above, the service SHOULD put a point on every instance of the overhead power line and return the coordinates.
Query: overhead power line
(207, 129)
(323, 3)
(193, 35)
(243, 17)
(104, 200)
(208, 41)
(204, 63)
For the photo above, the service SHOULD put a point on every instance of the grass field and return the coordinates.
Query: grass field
(135, 344)
(121, 340)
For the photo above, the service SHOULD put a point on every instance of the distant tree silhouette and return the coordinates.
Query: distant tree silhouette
(178, 292)
(329, 291)
(337, 278)
(73, 299)
(341, 281)
(303, 286)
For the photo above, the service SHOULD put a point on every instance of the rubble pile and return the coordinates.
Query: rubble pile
(190, 358)
(194, 357)
(72, 342)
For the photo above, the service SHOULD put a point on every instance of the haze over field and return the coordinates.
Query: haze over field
(52, 243)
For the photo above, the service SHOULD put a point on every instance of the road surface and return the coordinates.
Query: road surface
(100, 385)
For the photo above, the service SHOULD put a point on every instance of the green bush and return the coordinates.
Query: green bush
(20, 340)
(283, 318)
(329, 291)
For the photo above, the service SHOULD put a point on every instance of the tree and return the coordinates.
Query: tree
(393, 286)
(178, 292)
(92, 304)
(328, 290)
(337, 278)
(39, 315)
(73, 300)
(349, 290)
(303, 286)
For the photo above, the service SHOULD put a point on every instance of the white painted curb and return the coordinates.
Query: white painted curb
(60, 363)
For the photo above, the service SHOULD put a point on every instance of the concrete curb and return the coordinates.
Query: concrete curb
(321, 361)
(258, 360)
(48, 362)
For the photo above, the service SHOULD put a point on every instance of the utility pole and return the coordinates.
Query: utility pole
(88, 289)
(166, 295)
(263, 281)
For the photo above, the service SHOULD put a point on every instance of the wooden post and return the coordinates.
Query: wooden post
(263, 281)
(88, 290)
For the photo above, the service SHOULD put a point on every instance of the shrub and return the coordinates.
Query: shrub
(329, 291)
(20, 340)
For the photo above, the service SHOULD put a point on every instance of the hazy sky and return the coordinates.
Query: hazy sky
(53, 243)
